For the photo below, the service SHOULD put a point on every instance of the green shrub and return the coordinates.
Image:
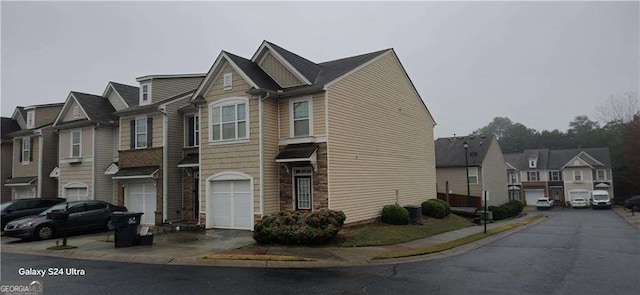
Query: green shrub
(510, 210)
(299, 227)
(517, 204)
(444, 203)
(499, 213)
(434, 209)
(395, 214)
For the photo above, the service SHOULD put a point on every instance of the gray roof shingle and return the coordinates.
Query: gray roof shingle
(8, 126)
(556, 159)
(129, 93)
(450, 151)
(98, 108)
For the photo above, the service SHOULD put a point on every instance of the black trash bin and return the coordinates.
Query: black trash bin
(126, 227)
(415, 214)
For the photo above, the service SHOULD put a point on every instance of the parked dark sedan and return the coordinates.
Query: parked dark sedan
(83, 215)
(19, 208)
(631, 202)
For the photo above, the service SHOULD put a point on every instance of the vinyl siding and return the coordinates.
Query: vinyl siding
(278, 71)
(68, 116)
(21, 122)
(380, 140)
(20, 169)
(49, 161)
(457, 178)
(116, 101)
(241, 157)
(125, 128)
(494, 172)
(174, 155)
(103, 158)
(46, 115)
(319, 121)
(76, 173)
(86, 139)
(6, 161)
(270, 147)
(162, 89)
(570, 184)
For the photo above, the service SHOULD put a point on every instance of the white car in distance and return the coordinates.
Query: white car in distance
(544, 203)
(579, 202)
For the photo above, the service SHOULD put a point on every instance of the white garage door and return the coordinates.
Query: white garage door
(232, 204)
(576, 194)
(141, 197)
(532, 195)
(76, 194)
(24, 192)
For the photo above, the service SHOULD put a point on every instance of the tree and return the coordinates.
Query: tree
(620, 107)
(499, 127)
(631, 155)
(582, 124)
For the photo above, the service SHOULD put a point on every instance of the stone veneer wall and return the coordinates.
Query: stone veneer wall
(320, 196)
(187, 190)
(141, 158)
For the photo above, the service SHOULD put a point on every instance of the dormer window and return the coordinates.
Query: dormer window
(532, 163)
(145, 94)
(76, 111)
(227, 81)
(31, 118)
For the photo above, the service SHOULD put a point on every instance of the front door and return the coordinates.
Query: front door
(303, 187)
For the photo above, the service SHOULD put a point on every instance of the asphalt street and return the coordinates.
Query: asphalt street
(573, 252)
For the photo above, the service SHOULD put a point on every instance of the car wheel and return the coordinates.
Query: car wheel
(108, 225)
(44, 232)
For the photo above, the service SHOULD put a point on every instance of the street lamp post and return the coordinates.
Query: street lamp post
(466, 164)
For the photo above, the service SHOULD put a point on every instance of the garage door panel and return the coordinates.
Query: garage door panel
(222, 187)
(141, 197)
(232, 204)
(533, 195)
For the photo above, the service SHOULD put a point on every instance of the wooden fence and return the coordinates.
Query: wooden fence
(461, 200)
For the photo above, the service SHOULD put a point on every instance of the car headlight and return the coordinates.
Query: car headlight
(28, 224)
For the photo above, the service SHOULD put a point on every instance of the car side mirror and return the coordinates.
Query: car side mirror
(48, 215)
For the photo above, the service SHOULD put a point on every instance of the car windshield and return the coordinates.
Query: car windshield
(5, 205)
(61, 206)
(600, 197)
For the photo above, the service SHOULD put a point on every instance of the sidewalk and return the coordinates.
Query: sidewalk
(632, 218)
(189, 248)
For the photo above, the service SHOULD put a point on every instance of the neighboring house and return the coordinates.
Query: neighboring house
(151, 146)
(87, 136)
(35, 152)
(279, 132)
(560, 175)
(8, 125)
(486, 166)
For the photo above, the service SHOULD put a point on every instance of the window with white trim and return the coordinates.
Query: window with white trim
(473, 175)
(26, 150)
(513, 177)
(31, 118)
(601, 174)
(577, 175)
(76, 139)
(76, 111)
(227, 81)
(192, 130)
(228, 120)
(533, 176)
(532, 163)
(301, 119)
(145, 94)
(141, 133)
(555, 176)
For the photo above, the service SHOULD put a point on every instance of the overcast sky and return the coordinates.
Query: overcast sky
(538, 63)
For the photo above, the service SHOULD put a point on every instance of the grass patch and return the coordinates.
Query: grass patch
(381, 234)
(265, 257)
(455, 243)
(61, 247)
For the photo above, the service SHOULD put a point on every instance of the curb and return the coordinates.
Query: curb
(622, 214)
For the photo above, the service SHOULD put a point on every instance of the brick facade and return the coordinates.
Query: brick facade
(141, 158)
(320, 195)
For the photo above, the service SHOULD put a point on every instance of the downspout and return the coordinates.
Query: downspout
(261, 100)
(93, 164)
(165, 126)
(40, 160)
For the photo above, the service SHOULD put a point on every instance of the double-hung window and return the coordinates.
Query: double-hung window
(513, 177)
(75, 143)
(533, 176)
(145, 94)
(26, 150)
(473, 175)
(192, 131)
(141, 133)
(301, 117)
(229, 120)
(555, 176)
(31, 119)
(601, 174)
(577, 175)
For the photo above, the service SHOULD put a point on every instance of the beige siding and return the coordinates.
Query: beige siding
(45, 115)
(570, 184)
(543, 175)
(162, 89)
(21, 122)
(103, 157)
(278, 71)
(270, 147)
(21, 169)
(6, 161)
(116, 101)
(86, 138)
(125, 129)
(49, 161)
(494, 172)
(319, 120)
(76, 173)
(241, 157)
(174, 155)
(457, 178)
(68, 116)
(380, 141)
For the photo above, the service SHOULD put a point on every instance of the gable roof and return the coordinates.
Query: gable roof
(97, 108)
(130, 94)
(308, 69)
(152, 107)
(450, 150)
(8, 125)
(557, 159)
(255, 73)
